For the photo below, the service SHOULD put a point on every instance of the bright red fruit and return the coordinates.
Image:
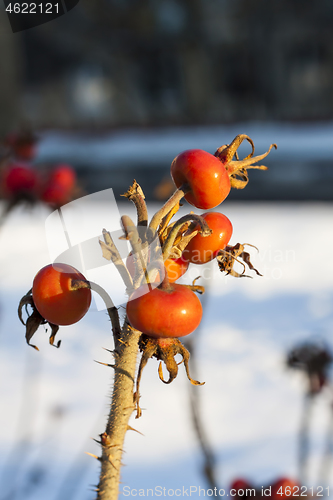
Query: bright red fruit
(19, 179)
(56, 299)
(164, 313)
(203, 249)
(206, 176)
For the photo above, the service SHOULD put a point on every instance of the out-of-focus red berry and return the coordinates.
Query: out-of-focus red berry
(241, 484)
(59, 186)
(63, 175)
(19, 179)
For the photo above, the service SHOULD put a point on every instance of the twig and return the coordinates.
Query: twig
(110, 252)
(175, 198)
(135, 194)
(131, 234)
(326, 463)
(304, 437)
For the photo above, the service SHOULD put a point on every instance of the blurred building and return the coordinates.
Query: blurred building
(157, 62)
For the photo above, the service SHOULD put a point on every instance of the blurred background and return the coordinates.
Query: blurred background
(116, 89)
(120, 84)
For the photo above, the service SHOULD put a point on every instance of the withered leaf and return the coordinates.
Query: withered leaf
(229, 255)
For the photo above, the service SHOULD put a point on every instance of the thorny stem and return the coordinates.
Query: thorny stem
(172, 201)
(122, 406)
(205, 231)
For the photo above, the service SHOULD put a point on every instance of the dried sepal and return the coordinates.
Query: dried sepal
(164, 350)
(181, 231)
(196, 288)
(181, 228)
(178, 249)
(164, 225)
(237, 169)
(34, 320)
(229, 255)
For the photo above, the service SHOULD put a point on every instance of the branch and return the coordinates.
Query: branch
(303, 450)
(122, 403)
(122, 406)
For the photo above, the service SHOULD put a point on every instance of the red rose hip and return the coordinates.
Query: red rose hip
(205, 175)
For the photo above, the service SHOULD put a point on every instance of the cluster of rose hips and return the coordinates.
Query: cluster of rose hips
(162, 310)
(21, 181)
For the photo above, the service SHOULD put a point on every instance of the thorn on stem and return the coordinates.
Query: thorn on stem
(129, 428)
(94, 456)
(105, 364)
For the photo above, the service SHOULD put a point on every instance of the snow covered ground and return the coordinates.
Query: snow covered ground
(54, 401)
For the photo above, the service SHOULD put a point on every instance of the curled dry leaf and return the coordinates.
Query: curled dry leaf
(165, 222)
(34, 320)
(229, 255)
